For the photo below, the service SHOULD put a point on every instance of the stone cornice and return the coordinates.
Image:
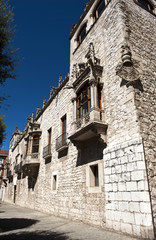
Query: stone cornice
(52, 97)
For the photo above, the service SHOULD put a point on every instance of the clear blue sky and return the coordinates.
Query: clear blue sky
(43, 29)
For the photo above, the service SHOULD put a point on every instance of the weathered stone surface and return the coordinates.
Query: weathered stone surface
(122, 142)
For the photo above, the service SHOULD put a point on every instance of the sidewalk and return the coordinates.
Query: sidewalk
(17, 223)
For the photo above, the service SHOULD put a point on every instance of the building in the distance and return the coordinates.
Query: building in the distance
(89, 154)
(3, 171)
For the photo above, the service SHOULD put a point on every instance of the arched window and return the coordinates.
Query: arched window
(81, 35)
(100, 7)
(35, 145)
(146, 4)
(83, 101)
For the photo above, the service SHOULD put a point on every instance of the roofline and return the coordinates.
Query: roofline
(52, 97)
(89, 4)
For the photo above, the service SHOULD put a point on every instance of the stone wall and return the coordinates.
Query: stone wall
(142, 25)
(128, 207)
(122, 200)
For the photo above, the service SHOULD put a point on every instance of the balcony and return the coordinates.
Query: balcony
(47, 152)
(61, 142)
(31, 159)
(90, 125)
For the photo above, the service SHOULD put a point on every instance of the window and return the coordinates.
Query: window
(63, 120)
(81, 35)
(100, 7)
(49, 136)
(27, 146)
(94, 176)
(146, 4)
(35, 146)
(83, 101)
(99, 96)
(54, 182)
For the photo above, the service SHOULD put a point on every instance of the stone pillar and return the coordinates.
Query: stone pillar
(92, 95)
(95, 95)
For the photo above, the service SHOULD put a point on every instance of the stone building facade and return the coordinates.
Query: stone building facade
(3, 172)
(89, 154)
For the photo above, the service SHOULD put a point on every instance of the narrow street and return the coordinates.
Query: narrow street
(17, 223)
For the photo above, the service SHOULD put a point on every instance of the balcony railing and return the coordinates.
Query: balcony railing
(47, 151)
(90, 125)
(31, 159)
(61, 142)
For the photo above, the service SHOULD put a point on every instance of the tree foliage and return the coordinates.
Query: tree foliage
(7, 53)
(2, 129)
(8, 60)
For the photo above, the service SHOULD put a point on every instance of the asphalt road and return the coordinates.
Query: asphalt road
(17, 223)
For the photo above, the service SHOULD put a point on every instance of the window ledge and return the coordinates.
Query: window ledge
(95, 189)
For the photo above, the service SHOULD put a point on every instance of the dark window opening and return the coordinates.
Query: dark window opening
(64, 126)
(54, 182)
(81, 35)
(99, 96)
(94, 176)
(101, 6)
(49, 136)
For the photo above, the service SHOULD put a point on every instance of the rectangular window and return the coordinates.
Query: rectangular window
(94, 176)
(54, 183)
(83, 101)
(35, 146)
(49, 136)
(64, 125)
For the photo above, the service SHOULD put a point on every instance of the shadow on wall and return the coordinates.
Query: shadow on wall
(38, 235)
(9, 224)
(90, 151)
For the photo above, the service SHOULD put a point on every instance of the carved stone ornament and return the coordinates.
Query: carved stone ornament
(128, 69)
(90, 69)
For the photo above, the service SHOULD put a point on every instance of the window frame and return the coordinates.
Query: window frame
(90, 178)
(54, 182)
(81, 101)
(94, 172)
(96, 14)
(79, 38)
(49, 135)
(64, 128)
(35, 137)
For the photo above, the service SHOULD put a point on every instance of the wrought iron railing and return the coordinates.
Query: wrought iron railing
(47, 151)
(61, 141)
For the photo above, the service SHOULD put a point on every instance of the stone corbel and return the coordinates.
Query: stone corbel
(128, 69)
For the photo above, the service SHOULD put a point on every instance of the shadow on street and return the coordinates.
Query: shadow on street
(9, 224)
(39, 235)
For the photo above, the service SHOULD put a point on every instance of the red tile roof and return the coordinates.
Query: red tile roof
(2, 152)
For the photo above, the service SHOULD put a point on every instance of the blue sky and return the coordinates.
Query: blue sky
(43, 29)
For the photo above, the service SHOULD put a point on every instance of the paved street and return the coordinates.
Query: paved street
(18, 223)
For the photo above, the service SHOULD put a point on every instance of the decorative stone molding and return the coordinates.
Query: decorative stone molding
(44, 102)
(60, 80)
(90, 69)
(128, 69)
